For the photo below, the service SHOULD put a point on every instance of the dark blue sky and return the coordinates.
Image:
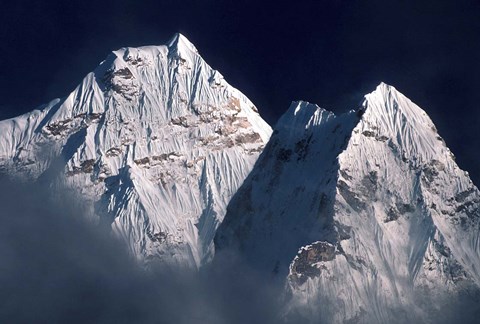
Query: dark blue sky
(326, 52)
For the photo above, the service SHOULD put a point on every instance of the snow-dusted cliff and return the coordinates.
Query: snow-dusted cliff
(366, 214)
(157, 142)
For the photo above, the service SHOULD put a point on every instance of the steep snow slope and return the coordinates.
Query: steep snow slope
(154, 138)
(277, 209)
(366, 214)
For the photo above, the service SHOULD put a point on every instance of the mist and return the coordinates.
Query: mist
(56, 267)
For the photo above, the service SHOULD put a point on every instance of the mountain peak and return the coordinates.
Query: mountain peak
(387, 95)
(374, 198)
(179, 45)
(161, 139)
(302, 115)
(389, 113)
(180, 42)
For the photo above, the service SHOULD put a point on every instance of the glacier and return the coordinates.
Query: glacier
(154, 139)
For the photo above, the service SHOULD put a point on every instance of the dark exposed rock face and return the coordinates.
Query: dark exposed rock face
(307, 263)
(85, 167)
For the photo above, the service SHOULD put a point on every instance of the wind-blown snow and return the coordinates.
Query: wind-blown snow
(155, 138)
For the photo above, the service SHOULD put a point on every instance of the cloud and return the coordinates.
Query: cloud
(56, 267)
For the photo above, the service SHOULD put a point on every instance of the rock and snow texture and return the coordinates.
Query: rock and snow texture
(154, 138)
(366, 214)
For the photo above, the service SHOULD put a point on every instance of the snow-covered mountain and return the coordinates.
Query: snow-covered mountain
(366, 214)
(154, 139)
